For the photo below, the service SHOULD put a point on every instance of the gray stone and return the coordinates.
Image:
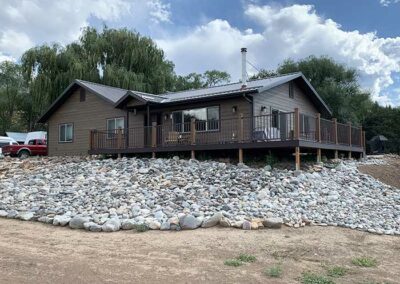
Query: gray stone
(189, 222)
(224, 222)
(128, 224)
(45, 219)
(274, 222)
(61, 220)
(26, 216)
(246, 225)
(112, 225)
(212, 221)
(165, 226)
(91, 226)
(154, 225)
(3, 213)
(78, 221)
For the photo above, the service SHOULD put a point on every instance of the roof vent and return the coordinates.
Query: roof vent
(244, 71)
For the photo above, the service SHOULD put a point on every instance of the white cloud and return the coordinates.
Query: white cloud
(24, 24)
(388, 2)
(295, 31)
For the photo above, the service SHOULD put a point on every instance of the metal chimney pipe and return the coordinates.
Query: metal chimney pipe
(244, 70)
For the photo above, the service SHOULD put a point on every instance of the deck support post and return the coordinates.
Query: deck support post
(318, 128)
(335, 136)
(318, 155)
(336, 154)
(240, 156)
(192, 155)
(297, 154)
(363, 145)
(153, 155)
(349, 155)
(349, 133)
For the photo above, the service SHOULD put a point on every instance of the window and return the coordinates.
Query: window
(113, 125)
(275, 118)
(82, 95)
(207, 119)
(65, 133)
(291, 90)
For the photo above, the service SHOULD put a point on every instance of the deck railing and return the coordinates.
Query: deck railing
(263, 128)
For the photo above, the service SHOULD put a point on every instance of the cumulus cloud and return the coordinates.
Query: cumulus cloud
(388, 2)
(295, 32)
(24, 24)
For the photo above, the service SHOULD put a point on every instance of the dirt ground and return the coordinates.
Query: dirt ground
(38, 253)
(389, 174)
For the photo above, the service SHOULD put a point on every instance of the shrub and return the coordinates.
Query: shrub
(336, 271)
(141, 228)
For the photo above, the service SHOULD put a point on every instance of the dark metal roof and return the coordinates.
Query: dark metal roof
(118, 97)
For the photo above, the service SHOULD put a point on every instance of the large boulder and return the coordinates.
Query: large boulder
(112, 225)
(78, 221)
(189, 222)
(26, 216)
(128, 224)
(3, 213)
(212, 221)
(274, 222)
(91, 226)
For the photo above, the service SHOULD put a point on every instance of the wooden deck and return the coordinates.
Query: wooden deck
(286, 130)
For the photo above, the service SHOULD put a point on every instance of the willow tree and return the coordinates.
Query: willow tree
(120, 58)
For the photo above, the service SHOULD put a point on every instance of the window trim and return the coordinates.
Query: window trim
(113, 136)
(59, 129)
(182, 130)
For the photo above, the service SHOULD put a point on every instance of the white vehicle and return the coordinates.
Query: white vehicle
(4, 140)
(35, 135)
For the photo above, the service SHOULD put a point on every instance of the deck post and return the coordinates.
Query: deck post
(318, 155)
(297, 154)
(363, 145)
(318, 128)
(119, 138)
(193, 131)
(334, 120)
(361, 137)
(192, 155)
(153, 155)
(350, 139)
(296, 124)
(240, 156)
(153, 138)
(336, 154)
(91, 140)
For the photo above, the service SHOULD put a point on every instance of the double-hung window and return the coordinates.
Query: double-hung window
(113, 124)
(207, 119)
(66, 132)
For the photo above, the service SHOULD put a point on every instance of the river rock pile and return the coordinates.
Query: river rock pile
(174, 194)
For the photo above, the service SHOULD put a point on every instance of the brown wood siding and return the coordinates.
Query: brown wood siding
(90, 114)
(278, 98)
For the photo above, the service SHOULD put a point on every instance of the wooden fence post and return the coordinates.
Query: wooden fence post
(91, 140)
(241, 128)
(334, 120)
(349, 126)
(361, 137)
(296, 124)
(193, 131)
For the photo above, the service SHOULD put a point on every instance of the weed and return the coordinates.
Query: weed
(336, 271)
(274, 271)
(233, 262)
(246, 258)
(364, 261)
(311, 278)
(141, 228)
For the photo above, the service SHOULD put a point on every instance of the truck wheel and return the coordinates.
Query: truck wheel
(23, 154)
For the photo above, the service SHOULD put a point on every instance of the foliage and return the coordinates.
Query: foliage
(141, 228)
(196, 81)
(233, 262)
(246, 258)
(365, 261)
(263, 73)
(274, 272)
(311, 278)
(336, 271)
(271, 159)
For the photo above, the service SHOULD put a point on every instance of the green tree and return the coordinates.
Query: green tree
(215, 77)
(11, 91)
(263, 73)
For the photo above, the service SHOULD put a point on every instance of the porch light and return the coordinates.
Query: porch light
(263, 109)
(234, 109)
(166, 116)
(134, 111)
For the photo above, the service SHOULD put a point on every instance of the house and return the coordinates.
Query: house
(278, 112)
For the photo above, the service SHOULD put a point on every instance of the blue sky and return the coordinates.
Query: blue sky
(199, 35)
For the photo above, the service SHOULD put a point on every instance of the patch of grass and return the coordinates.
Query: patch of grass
(141, 228)
(336, 271)
(246, 258)
(311, 278)
(274, 271)
(364, 261)
(233, 262)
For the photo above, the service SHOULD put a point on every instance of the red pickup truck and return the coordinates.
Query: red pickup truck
(35, 147)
